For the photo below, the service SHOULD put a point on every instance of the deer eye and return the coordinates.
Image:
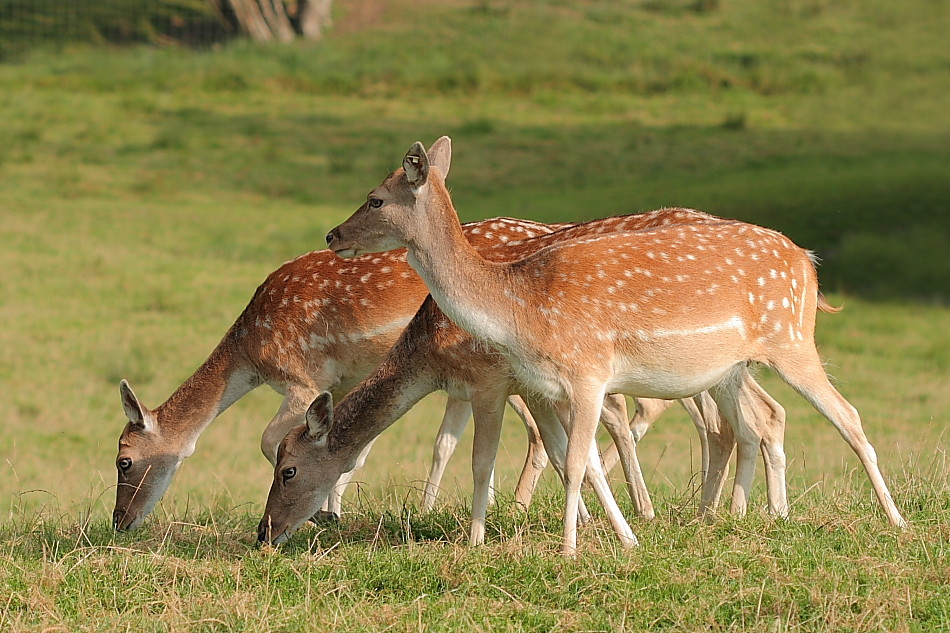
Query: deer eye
(375, 202)
(125, 463)
(289, 473)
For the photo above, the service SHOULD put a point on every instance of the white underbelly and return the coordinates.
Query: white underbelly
(667, 383)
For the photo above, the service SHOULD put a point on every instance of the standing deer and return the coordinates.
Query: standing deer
(317, 323)
(434, 353)
(664, 313)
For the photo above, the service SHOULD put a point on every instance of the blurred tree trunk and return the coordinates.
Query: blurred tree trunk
(269, 20)
(248, 15)
(276, 16)
(313, 17)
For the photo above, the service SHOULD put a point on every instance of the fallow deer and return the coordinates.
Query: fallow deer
(663, 313)
(317, 323)
(703, 412)
(434, 353)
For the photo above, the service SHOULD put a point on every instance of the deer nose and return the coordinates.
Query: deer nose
(263, 531)
(332, 235)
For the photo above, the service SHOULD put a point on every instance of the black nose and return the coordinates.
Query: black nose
(322, 517)
(263, 529)
(331, 236)
(117, 519)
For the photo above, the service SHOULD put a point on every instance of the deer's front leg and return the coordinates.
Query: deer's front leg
(453, 425)
(488, 409)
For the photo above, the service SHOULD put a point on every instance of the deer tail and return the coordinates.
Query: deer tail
(824, 306)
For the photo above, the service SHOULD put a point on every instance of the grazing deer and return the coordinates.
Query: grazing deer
(434, 353)
(317, 323)
(431, 354)
(663, 313)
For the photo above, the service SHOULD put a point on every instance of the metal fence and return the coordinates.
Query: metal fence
(29, 24)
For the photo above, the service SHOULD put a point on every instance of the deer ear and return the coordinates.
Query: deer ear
(416, 164)
(320, 418)
(440, 155)
(137, 414)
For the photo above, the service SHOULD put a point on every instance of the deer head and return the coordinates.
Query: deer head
(381, 223)
(146, 462)
(307, 469)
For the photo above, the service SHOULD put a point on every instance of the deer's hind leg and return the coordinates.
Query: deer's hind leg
(769, 418)
(536, 459)
(733, 402)
(720, 445)
(614, 418)
(801, 368)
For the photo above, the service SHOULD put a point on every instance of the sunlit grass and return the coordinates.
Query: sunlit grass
(146, 192)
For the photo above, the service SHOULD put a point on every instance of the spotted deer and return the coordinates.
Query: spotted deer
(318, 323)
(769, 414)
(430, 355)
(315, 324)
(433, 353)
(663, 313)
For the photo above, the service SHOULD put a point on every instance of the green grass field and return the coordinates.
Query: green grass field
(144, 193)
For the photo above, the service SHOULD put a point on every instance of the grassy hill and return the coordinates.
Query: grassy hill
(825, 121)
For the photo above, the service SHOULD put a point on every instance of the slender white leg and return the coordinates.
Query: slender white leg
(536, 458)
(614, 418)
(721, 443)
(646, 413)
(769, 418)
(334, 503)
(555, 443)
(584, 412)
(454, 421)
(696, 416)
(728, 398)
(290, 414)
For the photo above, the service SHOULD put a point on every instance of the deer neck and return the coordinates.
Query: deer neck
(398, 383)
(217, 384)
(459, 279)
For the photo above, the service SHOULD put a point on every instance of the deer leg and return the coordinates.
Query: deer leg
(647, 411)
(453, 425)
(555, 443)
(769, 416)
(721, 443)
(805, 374)
(761, 416)
(728, 398)
(536, 458)
(598, 481)
(489, 410)
(696, 416)
(290, 414)
(334, 502)
(614, 418)
(585, 407)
